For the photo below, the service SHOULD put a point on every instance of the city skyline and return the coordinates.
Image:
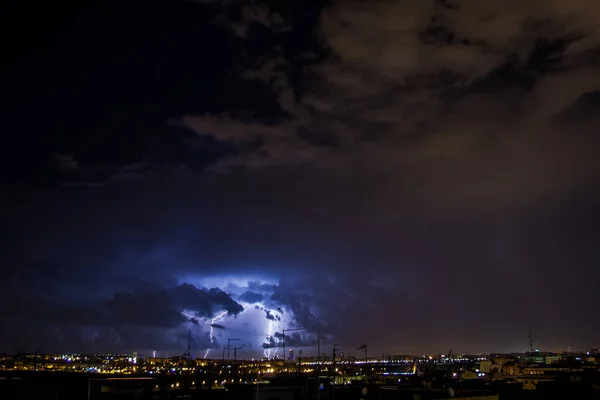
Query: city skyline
(321, 355)
(490, 377)
(414, 175)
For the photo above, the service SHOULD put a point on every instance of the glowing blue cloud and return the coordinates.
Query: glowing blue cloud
(258, 325)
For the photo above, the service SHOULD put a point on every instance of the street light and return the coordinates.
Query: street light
(284, 331)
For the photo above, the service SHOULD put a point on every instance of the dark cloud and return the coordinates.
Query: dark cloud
(269, 315)
(437, 103)
(155, 308)
(297, 340)
(270, 343)
(204, 302)
(102, 323)
(251, 297)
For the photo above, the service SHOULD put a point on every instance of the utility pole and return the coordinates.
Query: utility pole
(229, 340)
(284, 331)
(300, 363)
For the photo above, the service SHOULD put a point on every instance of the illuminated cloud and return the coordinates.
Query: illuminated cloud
(261, 321)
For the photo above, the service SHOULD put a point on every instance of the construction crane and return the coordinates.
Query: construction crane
(364, 347)
(229, 340)
(235, 349)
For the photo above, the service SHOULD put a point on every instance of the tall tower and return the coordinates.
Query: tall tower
(188, 353)
(530, 340)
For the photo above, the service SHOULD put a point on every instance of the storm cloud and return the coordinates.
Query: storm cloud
(415, 175)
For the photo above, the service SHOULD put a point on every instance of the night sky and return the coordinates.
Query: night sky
(415, 175)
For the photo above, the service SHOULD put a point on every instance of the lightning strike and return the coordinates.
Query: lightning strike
(276, 347)
(219, 321)
(246, 308)
(212, 329)
(267, 352)
(218, 318)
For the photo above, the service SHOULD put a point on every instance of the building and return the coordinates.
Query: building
(485, 366)
(553, 359)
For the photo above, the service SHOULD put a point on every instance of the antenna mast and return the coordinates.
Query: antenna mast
(530, 340)
(188, 353)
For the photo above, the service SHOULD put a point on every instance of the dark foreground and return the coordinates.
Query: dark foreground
(67, 386)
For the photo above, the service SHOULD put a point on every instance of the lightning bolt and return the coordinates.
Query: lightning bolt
(212, 329)
(277, 347)
(267, 352)
(246, 308)
(218, 318)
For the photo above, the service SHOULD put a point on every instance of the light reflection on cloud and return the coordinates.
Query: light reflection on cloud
(232, 284)
(255, 326)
